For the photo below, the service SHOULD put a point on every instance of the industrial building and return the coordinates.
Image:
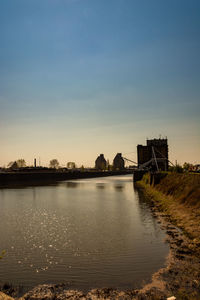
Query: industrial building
(153, 155)
(118, 162)
(100, 163)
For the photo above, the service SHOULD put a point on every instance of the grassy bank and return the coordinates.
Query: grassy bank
(179, 196)
(176, 199)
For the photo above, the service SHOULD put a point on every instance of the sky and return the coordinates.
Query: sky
(84, 77)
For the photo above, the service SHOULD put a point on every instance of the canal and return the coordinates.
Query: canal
(87, 233)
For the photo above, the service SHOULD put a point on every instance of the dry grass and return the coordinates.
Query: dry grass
(185, 188)
(179, 196)
(184, 204)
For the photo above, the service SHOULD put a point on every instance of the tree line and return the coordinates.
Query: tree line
(54, 163)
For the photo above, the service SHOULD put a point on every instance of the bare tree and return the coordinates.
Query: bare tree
(21, 163)
(54, 163)
(71, 165)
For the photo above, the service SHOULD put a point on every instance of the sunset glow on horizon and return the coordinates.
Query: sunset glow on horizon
(80, 78)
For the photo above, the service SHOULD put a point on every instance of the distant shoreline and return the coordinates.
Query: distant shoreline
(20, 179)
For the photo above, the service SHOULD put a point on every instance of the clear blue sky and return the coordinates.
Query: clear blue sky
(84, 77)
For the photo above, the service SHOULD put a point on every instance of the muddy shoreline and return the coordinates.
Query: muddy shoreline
(180, 278)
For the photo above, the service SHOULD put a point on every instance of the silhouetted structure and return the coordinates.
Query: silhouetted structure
(100, 162)
(118, 162)
(14, 165)
(155, 152)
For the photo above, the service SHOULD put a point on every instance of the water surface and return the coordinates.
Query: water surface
(89, 233)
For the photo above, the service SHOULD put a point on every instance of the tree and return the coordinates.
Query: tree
(177, 169)
(107, 164)
(187, 166)
(21, 163)
(71, 165)
(54, 163)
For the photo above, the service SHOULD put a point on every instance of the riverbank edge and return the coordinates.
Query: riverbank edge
(23, 179)
(181, 276)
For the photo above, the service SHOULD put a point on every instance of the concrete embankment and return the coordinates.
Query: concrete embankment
(9, 179)
(175, 201)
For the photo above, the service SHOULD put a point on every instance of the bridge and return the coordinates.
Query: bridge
(153, 163)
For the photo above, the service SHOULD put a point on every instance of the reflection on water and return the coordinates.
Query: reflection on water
(100, 186)
(119, 187)
(72, 184)
(90, 233)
